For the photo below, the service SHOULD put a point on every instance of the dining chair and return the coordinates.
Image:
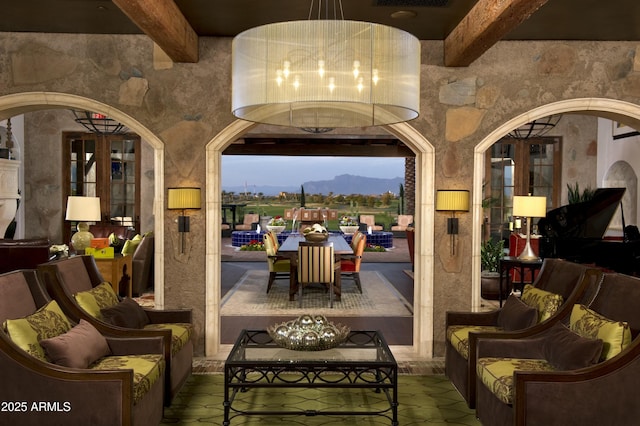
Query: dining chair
(279, 266)
(317, 265)
(350, 266)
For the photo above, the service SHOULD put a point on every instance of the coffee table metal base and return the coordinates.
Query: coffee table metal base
(362, 362)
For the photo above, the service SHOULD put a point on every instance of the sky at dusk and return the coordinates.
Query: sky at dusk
(293, 171)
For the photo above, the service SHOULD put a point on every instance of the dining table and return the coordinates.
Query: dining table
(289, 249)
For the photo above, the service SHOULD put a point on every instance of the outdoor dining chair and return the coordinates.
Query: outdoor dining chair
(317, 265)
(279, 266)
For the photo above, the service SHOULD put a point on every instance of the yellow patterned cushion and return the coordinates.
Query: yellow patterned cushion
(100, 297)
(180, 334)
(545, 302)
(615, 335)
(47, 322)
(147, 369)
(497, 374)
(458, 335)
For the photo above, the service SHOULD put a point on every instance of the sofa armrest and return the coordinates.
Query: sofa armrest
(501, 348)
(170, 316)
(472, 318)
(136, 346)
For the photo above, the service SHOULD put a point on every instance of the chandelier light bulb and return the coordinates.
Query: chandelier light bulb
(332, 84)
(286, 65)
(374, 76)
(296, 82)
(279, 77)
(321, 68)
(356, 69)
(360, 85)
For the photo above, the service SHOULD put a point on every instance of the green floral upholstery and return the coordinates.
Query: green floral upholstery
(101, 296)
(546, 302)
(497, 373)
(458, 335)
(180, 334)
(47, 322)
(146, 370)
(615, 335)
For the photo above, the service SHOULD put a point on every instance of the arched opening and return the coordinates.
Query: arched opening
(608, 108)
(20, 103)
(423, 292)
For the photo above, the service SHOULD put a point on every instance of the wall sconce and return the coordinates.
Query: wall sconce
(182, 199)
(529, 207)
(452, 200)
(82, 210)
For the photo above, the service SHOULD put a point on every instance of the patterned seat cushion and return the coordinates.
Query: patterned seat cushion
(180, 334)
(497, 373)
(546, 302)
(147, 369)
(458, 335)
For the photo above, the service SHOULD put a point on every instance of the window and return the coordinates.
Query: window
(105, 166)
(519, 167)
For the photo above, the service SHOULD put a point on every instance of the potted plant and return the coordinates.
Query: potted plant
(490, 254)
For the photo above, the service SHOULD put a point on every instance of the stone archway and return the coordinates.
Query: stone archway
(424, 216)
(20, 103)
(610, 108)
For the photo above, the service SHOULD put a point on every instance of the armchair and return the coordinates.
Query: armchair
(249, 222)
(370, 221)
(600, 393)
(279, 267)
(573, 282)
(142, 266)
(317, 265)
(404, 221)
(76, 284)
(123, 387)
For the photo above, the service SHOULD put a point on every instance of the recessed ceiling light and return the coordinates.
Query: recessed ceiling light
(404, 14)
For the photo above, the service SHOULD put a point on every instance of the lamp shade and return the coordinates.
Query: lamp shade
(529, 206)
(452, 200)
(183, 198)
(325, 74)
(85, 209)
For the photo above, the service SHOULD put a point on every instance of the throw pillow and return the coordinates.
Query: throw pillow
(100, 297)
(546, 302)
(126, 314)
(131, 245)
(48, 321)
(516, 315)
(78, 348)
(566, 350)
(615, 335)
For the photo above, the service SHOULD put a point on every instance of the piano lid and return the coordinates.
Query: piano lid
(588, 219)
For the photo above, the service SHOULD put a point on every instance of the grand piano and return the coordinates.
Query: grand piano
(576, 232)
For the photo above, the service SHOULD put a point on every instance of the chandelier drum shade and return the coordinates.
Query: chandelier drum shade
(325, 74)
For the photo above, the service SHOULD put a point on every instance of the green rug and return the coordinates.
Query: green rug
(422, 400)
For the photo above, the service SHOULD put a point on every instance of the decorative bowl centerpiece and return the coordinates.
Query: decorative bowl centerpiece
(316, 234)
(348, 225)
(277, 224)
(308, 333)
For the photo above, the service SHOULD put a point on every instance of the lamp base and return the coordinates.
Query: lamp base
(81, 239)
(528, 254)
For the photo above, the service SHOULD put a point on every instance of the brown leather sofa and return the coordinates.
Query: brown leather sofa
(142, 265)
(65, 278)
(23, 254)
(77, 396)
(574, 282)
(604, 393)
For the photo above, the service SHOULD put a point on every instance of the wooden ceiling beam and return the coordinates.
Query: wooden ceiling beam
(310, 147)
(163, 22)
(485, 24)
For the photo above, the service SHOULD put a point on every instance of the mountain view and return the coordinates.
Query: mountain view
(342, 184)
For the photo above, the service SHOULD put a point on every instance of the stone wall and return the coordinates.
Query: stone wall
(186, 105)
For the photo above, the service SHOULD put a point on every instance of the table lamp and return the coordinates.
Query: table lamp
(529, 207)
(82, 210)
(452, 200)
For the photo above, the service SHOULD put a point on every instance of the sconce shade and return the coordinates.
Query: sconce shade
(325, 74)
(85, 209)
(452, 200)
(529, 206)
(183, 198)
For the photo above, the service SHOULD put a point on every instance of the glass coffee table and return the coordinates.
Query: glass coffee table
(362, 361)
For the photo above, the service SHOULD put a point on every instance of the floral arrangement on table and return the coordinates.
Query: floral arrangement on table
(254, 245)
(374, 247)
(278, 221)
(348, 221)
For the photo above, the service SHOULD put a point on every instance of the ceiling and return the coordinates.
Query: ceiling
(488, 22)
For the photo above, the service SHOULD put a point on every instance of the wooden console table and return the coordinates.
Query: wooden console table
(117, 271)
